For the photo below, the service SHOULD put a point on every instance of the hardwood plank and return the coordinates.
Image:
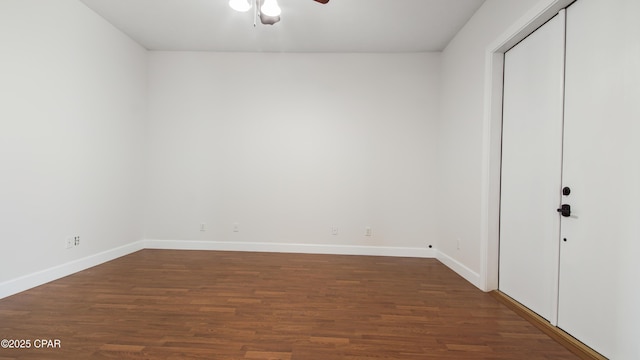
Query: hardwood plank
(121, 348)
(267, 355)
(165, 304)
(569, 342)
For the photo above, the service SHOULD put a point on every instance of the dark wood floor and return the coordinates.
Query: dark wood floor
(159, 304)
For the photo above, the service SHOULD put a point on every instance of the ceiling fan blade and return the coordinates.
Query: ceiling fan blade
(322, 1)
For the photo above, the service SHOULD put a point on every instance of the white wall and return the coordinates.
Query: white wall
(289, 145)
(387, 141)
(460, 134)
(72, 130)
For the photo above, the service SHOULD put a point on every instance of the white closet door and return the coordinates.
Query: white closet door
(531, 169)
(599, 296)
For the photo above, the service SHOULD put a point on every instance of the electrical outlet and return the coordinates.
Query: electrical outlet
(203, 227)
(334, 230)
(458, 244)
(367, 231)
(71, 241)
(236, 227)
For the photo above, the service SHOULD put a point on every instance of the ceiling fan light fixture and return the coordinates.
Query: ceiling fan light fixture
(268, 20)
(240, 5)
(270, 8)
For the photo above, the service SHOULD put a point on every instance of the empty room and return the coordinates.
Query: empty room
(319, 179)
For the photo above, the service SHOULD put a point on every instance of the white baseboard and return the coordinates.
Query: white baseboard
(289, 248)
(469, 275)
(29, 281)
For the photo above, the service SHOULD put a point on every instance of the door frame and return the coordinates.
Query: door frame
(492, 134)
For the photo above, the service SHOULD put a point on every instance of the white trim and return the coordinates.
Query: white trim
(289, 248)
(491, 135)
(453, 264)
(29, 281)
(41, 277)
(555, 277)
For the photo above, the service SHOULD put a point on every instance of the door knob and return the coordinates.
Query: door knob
(565, 210)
